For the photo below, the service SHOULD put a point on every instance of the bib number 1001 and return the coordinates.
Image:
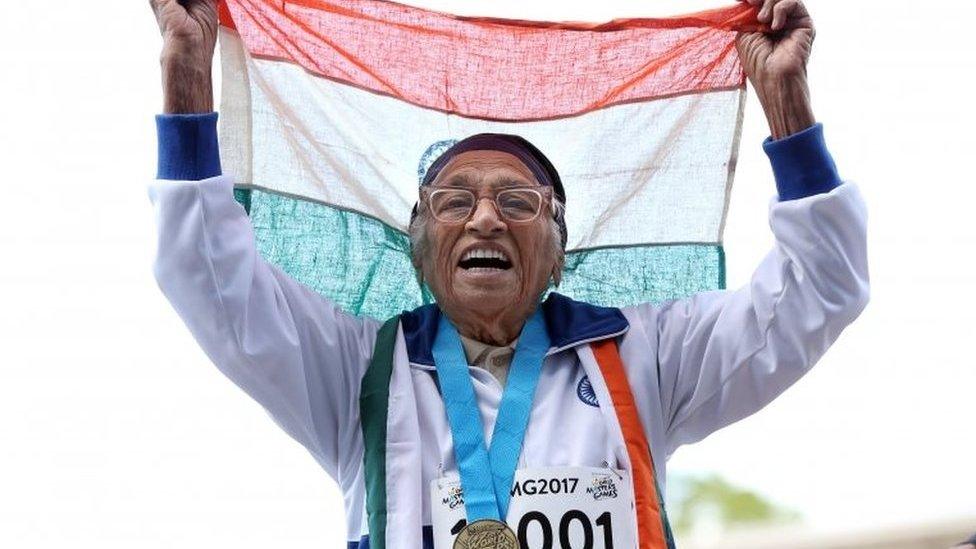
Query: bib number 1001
(602, 527)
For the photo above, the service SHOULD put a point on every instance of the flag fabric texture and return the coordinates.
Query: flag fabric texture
(332, 111)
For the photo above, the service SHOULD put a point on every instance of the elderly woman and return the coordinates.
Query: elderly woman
(491, 419)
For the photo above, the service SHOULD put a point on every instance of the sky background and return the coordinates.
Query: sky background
(116, 431)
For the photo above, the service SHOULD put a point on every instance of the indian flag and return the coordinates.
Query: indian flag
(332, 110)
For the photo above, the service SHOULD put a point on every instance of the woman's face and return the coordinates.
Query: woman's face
(488, 265)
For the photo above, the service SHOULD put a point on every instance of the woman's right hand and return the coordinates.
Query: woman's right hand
(189, 31)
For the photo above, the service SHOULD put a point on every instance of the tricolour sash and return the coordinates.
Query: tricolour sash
(653, 529)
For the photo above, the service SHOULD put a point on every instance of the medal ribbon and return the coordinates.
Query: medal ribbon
(486, 496)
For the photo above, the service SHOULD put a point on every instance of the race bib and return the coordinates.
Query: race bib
(551, 508)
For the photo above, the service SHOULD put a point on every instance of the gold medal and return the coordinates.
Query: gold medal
(486, 534)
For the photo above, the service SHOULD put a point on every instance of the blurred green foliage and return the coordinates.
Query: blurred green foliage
(714, 503)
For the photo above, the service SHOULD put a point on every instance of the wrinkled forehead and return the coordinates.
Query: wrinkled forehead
(485, 168)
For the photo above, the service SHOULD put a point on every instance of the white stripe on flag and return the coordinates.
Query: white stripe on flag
(652, 172)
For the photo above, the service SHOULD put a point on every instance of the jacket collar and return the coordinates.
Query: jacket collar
(569, 323)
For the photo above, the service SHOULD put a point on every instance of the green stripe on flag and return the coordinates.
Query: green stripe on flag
(618, 277)
(243, 196)
(363, 265)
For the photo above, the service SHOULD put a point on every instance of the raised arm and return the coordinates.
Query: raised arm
(776, 64)
(724, 355)
(286, 346)
(189, 31)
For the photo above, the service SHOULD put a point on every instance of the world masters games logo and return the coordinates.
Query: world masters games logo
(454, 498)
(602, 487)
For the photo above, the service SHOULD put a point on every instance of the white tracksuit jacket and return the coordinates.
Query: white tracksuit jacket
(694, 365)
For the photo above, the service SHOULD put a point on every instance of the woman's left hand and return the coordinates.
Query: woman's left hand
(776, 64)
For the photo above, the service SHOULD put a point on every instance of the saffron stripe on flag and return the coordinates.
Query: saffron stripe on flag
(492, 68)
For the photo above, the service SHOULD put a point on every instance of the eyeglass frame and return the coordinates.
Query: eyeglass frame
(544, 191)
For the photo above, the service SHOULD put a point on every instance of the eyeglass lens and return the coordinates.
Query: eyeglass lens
(456, 205)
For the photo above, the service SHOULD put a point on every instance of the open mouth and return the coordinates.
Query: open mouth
(483, 259)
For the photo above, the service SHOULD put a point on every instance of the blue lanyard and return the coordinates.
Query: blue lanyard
(486, 496)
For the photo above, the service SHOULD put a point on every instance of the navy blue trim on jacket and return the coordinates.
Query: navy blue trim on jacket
(802, 164)
(568, 321)
(187, 146)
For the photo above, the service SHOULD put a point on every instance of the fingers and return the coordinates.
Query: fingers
(782, 14)
(157, 5)
(160, 7)
(766, 10)
(787, 11)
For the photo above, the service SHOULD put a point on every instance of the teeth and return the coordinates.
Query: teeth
(479, 253)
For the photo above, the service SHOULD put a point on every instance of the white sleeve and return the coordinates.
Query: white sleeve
(286, 346)
(724, 355)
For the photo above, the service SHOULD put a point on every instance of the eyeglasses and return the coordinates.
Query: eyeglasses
(456, 205)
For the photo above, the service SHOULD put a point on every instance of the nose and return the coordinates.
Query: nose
(485, 221)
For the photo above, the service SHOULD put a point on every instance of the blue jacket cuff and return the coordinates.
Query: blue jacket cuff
(188, 149)
(802, 164)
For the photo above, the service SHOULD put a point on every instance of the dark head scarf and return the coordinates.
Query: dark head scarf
(519, 147)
